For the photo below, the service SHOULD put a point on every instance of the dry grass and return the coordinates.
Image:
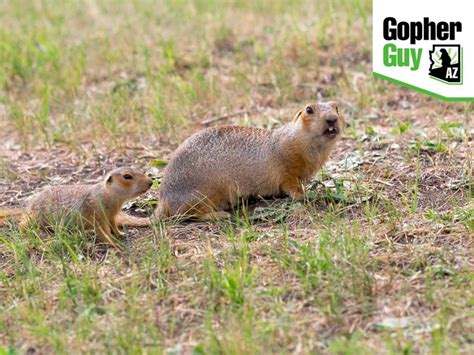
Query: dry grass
(378, 258)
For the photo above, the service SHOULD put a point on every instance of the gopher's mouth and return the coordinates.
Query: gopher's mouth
(331, 132)
(145, 189)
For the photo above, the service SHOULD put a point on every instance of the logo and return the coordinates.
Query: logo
(446, 63)
(427, 49)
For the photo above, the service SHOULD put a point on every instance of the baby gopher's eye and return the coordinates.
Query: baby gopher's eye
(127, 177)
(309, 110)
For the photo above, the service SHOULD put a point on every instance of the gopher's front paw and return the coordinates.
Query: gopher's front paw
(296, 195)
(118, 233)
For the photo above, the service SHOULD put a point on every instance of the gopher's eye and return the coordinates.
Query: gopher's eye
(127, 177)
(309, 110)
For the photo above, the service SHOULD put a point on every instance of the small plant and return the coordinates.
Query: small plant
(453, 130)
(411, 198)
(401, 128)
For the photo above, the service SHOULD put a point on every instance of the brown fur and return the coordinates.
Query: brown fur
(15, 213)
(215, 167)
(92, 207)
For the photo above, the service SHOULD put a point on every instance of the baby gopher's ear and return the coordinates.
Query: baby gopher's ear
(297, 115)
(109, 179)
(334, 105)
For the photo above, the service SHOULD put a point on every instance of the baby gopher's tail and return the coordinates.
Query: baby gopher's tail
(15, 213)
(124, 219)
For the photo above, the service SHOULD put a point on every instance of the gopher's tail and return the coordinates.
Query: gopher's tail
(124, 219)
(15, 213)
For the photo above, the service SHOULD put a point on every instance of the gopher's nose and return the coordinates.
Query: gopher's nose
(331, 120)
(150, 182)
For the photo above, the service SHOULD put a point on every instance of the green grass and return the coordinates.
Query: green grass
(89, 70)
(377, 258)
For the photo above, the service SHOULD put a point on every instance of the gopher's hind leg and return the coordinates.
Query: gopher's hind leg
(211, 216)
(208, 208)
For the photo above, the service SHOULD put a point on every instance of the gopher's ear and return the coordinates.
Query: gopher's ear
(297, 115)
(109, 180)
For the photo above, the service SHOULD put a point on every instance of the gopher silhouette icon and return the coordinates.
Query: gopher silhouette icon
(446, 63)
